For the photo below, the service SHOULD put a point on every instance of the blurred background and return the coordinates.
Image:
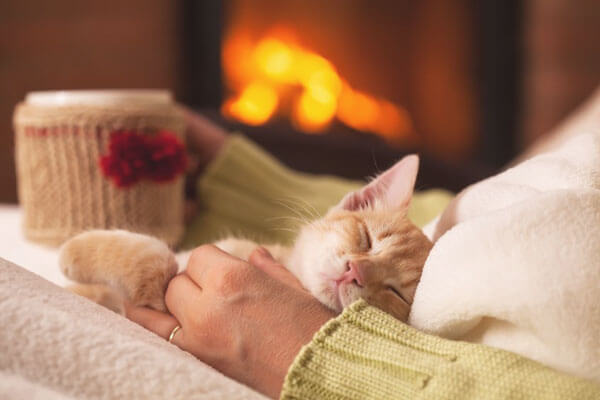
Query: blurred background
(342, 86)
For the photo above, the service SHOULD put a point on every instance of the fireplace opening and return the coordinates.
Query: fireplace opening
(348, 87)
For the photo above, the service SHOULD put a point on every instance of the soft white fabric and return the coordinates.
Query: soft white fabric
(15, 248)
(15, 387)
(516, 264)
(56, 345)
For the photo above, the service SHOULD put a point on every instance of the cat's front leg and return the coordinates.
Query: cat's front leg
(137, 266)
(100, 294)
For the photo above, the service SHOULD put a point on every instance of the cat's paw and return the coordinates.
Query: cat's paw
(100, 294)
(137, 266)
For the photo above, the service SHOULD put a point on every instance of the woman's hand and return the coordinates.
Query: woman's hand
(248, 320)
(204, 138)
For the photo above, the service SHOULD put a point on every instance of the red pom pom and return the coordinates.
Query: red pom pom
(167, 157)
(133, 157)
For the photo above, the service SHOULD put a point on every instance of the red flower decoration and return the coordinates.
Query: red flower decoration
(132, 157)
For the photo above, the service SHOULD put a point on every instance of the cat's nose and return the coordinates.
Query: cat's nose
(352, 273)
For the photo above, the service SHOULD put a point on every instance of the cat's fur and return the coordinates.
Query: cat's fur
(364, 247)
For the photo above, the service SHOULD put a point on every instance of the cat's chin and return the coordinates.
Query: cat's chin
(346, 300)
(339, 296)
(330, 297)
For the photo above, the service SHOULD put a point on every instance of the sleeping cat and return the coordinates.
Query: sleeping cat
(363, 247)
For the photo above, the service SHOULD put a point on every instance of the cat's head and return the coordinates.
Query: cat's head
(365, 246)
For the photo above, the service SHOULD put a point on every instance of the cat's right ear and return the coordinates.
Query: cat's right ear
(393, 188)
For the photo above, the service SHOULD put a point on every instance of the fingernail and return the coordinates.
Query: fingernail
(263, 252)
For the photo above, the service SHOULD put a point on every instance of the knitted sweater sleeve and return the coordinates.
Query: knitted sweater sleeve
(367, 354)
(248, 193)
(363, 353)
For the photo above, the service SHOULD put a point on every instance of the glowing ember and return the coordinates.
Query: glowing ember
(274, 73)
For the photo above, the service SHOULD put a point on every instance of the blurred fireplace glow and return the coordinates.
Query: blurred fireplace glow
(275, 76)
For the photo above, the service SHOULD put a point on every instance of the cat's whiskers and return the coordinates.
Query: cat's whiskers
(288, 206)
(299, 207)
(294, 222)
(309, 208)
(284, 229)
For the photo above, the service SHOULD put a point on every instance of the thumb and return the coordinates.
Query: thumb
(263, 260)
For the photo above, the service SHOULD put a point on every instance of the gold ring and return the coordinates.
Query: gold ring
(173, 332)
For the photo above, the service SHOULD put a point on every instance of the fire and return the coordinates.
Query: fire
(275, 60)
(274, 74)
(255, 105)
(314, 110)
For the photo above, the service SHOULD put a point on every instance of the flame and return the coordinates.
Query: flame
(275, 60)
(272, 70)
(255, 105)
(314, 111)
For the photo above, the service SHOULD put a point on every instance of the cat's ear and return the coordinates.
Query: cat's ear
(393, 188)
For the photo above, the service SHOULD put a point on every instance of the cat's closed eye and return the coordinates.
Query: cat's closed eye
(397, 293)
(365, 238)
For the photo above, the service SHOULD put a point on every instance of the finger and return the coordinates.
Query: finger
(203, 135)
(158, 322)
(205, 258)
(190, 210)
(182, 298)
(263, 260)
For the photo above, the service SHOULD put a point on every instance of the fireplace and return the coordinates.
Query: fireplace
(348, 86)
(276, 76)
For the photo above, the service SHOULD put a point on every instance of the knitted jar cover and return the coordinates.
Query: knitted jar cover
(86, 167)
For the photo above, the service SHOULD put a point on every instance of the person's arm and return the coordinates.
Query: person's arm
(367, 354)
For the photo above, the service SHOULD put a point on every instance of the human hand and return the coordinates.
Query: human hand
(205, 138)
(249, 320)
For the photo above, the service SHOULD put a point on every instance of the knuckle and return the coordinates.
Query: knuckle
(255, 257)
(201, 252)
(230, 279)
(199, 255)
(176, 281)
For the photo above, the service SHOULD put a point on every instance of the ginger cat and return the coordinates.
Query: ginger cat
(363, 247)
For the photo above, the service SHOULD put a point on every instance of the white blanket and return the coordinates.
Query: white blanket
(516, 263)
(55, 345)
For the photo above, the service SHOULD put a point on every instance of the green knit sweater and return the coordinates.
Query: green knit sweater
(363, 353)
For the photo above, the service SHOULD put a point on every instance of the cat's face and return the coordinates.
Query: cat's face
(366, 247)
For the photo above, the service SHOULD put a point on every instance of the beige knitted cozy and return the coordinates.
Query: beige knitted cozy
(62, 189)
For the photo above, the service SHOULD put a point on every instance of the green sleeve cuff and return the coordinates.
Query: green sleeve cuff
(367, 354)
(247, 193)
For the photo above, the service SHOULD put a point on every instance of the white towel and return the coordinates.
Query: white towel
(516, 262)
(55, 345)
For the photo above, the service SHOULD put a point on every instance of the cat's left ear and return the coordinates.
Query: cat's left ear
(393, 188)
